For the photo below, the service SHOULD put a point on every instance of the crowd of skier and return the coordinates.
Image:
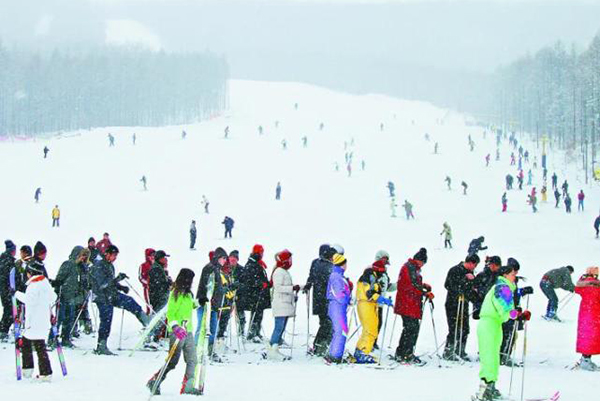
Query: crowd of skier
(55, 310)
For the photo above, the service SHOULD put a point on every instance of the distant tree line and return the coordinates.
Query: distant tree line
(554, 94)
(70, 90)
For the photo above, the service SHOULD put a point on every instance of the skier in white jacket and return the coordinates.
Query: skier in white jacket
(283, 302)
(38, 299)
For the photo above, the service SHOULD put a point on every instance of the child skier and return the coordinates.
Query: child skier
(180, 308)
(339, 295)
(369, 294)
(588, 330)
(38, 299)
(498, 307)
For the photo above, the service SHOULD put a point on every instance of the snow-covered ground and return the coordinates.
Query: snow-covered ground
(97, 189)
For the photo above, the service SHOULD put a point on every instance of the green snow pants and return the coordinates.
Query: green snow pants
(489, 337)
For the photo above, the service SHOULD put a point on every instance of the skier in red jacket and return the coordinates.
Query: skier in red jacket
(143, 275)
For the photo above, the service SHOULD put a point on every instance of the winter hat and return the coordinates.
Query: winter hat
(379, 266)
(284, 259)
(338, 248)
(494, 260)
(570, 268)
(323, 249)
(219, 253)
(160, 254)
(514, 264)
(258, 250)
(10, 246)
(34, 267)
(339, 260)
(149, 252)
(112, 249)
(382, 254)
(234, 254)
(421, 255)
(39, 248)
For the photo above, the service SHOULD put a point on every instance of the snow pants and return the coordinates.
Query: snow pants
(188, 347)
(339, 322)
(42, 355)
(369, 319)
(458, 327)
(7, 317)
(323, 337)
(66, 319)
(489, 336)
(106, 313)
(549, 292)
(410, 334)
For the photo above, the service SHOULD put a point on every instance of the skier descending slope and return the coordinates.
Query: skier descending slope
(180, 308)
(498, 307)
(38, 299)
(339, 295)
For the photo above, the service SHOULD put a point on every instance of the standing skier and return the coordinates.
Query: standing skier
(504, 202)
(552, 280)
(565, 188)
(318, 279)
(498, 307)
(408, 209)
(393, 206)
(159, 284)
(483, 282)
(278, 191)
(459, 283)
(284, 302)
(144, 182)
(205, 203)
(554, 181)
(7, 263)
(339, 296)
(193, 233)
(557, 197)
(103, 244)
(228, 222)
(409, 305)
(143, 273)
(588, 330)
(56, 216)
(46, 150)
(449, 182)
(465, 186)
(580, 198)
(568, 203)
(38, 299)
(180, 308)
(370, 294)
(391, 188)
(259, 297)
(38, 193)
(447, 233)
(597, 225)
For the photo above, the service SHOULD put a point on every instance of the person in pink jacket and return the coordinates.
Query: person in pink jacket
(588, 325)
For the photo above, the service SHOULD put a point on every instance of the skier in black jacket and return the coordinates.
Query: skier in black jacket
(320, 270)
(159, 282)
(483, 282)
(459, 283)
(476, 245)
(253, 292)
(7, 263)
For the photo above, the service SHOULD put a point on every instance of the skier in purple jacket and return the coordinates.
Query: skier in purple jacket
(339, 294)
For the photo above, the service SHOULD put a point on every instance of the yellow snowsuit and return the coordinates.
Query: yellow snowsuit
(367, 293)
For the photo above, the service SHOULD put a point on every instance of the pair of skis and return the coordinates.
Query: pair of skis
(203, 339)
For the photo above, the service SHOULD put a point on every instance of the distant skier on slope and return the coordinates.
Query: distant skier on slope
(447, 233)
(504, 202)
(408, 209)
(449, 182)
(465, 186)
(476, 245)
(597, 226)
(38, 193)
(391, 188)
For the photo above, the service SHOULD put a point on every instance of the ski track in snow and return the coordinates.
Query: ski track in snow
(98, 189)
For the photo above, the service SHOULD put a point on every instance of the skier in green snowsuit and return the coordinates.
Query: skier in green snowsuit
(498, 307)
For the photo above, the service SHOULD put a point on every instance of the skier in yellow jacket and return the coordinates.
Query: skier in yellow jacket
(56, 216)
(369, 294)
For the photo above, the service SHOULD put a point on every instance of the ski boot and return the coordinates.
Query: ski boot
(187, 387)
(362, 358)
(153, 385)
(143, 318)
(27, 373)
(273, 354)
(67, 343)
(494, 393)
(331, 360)
(43, 379)
(484, 393)
(586, 364)
(87, 327)
(102, 349)
(449, 355)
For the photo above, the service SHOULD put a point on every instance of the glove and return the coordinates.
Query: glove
(350, 285)
(265, 286)
(525, 291)
(180, 332)
(427, 287)
(124, 289)
(525, 315)
(121, 276)
(429, 296)
(385, 301)
(296, 288)
(306, 288)
(203, 301)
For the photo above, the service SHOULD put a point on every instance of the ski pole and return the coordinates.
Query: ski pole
(79, 314)
(387, 313)
(567, 299)
(513, 334)
(435, 334)
(294, 326)
(393, 330)
(139, 296)
(307, 321)
(162, 371)
(121, 330)
(524, 353)
(462, 326)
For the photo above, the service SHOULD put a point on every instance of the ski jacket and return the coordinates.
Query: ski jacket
(180, 309)
(102, 245)
(368, 288)
(318, 280)
(499, 304)
(409, 298)
(55, 213)
(145, 268)
(338, 289)
(253, 289)
(94, 252)
(7, 263)
(68, 280)
(588, 323)
(159, 284)
(476, 246)
(560, 278)
(104, 286)
(38, 299)
(447, 232)
(457, 284)
(228, 222)
(284, 298)
(482, 284)
(597, 222)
